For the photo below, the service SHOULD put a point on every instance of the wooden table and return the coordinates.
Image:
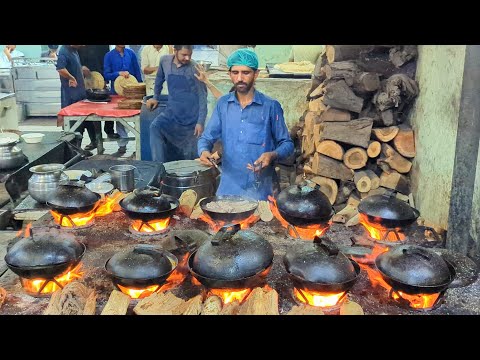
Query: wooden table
(72, 116)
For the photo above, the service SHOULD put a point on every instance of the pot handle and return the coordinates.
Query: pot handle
(416, 252)
(225, 233)
(308, 182)
(327, 245)
(147, 249)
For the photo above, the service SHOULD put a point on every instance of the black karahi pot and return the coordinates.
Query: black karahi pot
(302, 205)
(148, 203)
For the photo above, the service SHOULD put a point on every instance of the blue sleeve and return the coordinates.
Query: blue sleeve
(61, 62)
(281, 137)
(136, 68)
(202, 101)
(108, 72)
(159, 80)
(213, 132)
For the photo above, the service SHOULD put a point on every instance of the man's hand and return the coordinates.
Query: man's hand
(198, 130)
(72, 82)
(265, 159)
(204, 158)
(202, 74)
(125, 74)
(86, 72)
(151, 104)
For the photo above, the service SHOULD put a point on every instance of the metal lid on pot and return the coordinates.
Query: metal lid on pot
(183, 168)
(148, 200)
(387, 207)
(233, 255)
(141, 262)
(72, 194)
(320, 262)
(414, 265)
(43, 251)
(303, 201)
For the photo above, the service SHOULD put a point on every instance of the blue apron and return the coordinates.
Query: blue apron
(178, 121)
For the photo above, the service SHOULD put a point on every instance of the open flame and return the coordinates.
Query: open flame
(25, 232)
(150, 226)
(175, 279)
(305, 232)
(231, 295)
(379, 232)
(105, 207)
(216, 225)
(415, 301)
(370, 258)
(48, 286)
(315, 298)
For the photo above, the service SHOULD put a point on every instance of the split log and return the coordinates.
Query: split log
(397, 88)
(339, 95)
(117, 304)
(395, 160)
(311, 118)
(315, 84)
(395, 181)
(387, 117)
(317, 130)
(212, 306)
(402, 54)
(355, 158)
(304, 309)
(345, 190)
(328, 167)
(3, 296)
(374, 149)
(384, 166)
(355, 220)
(159, 304)
(74, 299)
(365, 83)
(346, 70)
(264, 211)
(317, 105)
(231, 308)
(351, 308)
(327, 186)
(197, 211)
(377, 62)
(318, 72)
(331, 149)
(193, 306)
(378, 191)
(261, 301)
(308, 145)
(318, 91)
(385, 134)
(343, 52)
(362, 181)
(187, 200)
(332, 114)
(404, 142)
(345, 214)
(355, 132)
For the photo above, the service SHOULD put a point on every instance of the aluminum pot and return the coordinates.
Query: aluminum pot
(45, 179)
(11, 156)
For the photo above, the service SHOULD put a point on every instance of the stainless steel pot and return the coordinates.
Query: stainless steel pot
(11, 156)
(45, 180)
(182, 175)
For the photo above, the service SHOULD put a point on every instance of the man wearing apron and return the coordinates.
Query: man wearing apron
(174, 133)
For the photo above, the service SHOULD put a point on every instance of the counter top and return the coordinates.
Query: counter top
(218, 75)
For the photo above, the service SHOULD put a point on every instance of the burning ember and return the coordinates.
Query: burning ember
(48, 286)
(150, 226)
(378, 232)
(231, 295)
(216, 225)
(84, 219)
(305, 233)
(175, 279)
(318, 299)
(413, 301)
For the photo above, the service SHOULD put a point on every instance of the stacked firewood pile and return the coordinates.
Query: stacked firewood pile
(354, 137)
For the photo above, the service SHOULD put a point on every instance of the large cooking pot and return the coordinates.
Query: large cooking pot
(228, 217)
(388, 211)
(232, 259)
(72, 197)
(415, 270)
(148, 203)
(11, 156)
(141, 266)
(182, 175)
(44, 257)
(45, 178)
(303, 205)
(320, 266)
(98, 94)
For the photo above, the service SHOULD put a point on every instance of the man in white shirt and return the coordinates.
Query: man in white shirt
(8, 54)
(150, 59)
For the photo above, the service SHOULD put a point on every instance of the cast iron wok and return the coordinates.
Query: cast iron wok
(70, 198)
(227, 217)
(141, 209)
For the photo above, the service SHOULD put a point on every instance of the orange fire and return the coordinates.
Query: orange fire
(34, 285)
(230, 295)
(306, 232)
(150, 226)
(175, 278)
(379, 232)
(216, 225)
(105, 207)
(419, 301)
(370, 258)
(315, 298)
(25, 232)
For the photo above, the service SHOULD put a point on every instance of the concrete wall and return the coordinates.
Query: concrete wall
(272, 54)
(434, 119)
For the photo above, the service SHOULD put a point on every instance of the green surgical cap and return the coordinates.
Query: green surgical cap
(245, 57)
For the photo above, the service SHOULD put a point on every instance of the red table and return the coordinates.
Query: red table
(92, 111)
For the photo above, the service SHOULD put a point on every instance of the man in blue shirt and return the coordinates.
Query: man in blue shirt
(173, 133)
(252, 129)
(121, 61)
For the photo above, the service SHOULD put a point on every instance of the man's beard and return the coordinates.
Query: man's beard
(243, 89)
